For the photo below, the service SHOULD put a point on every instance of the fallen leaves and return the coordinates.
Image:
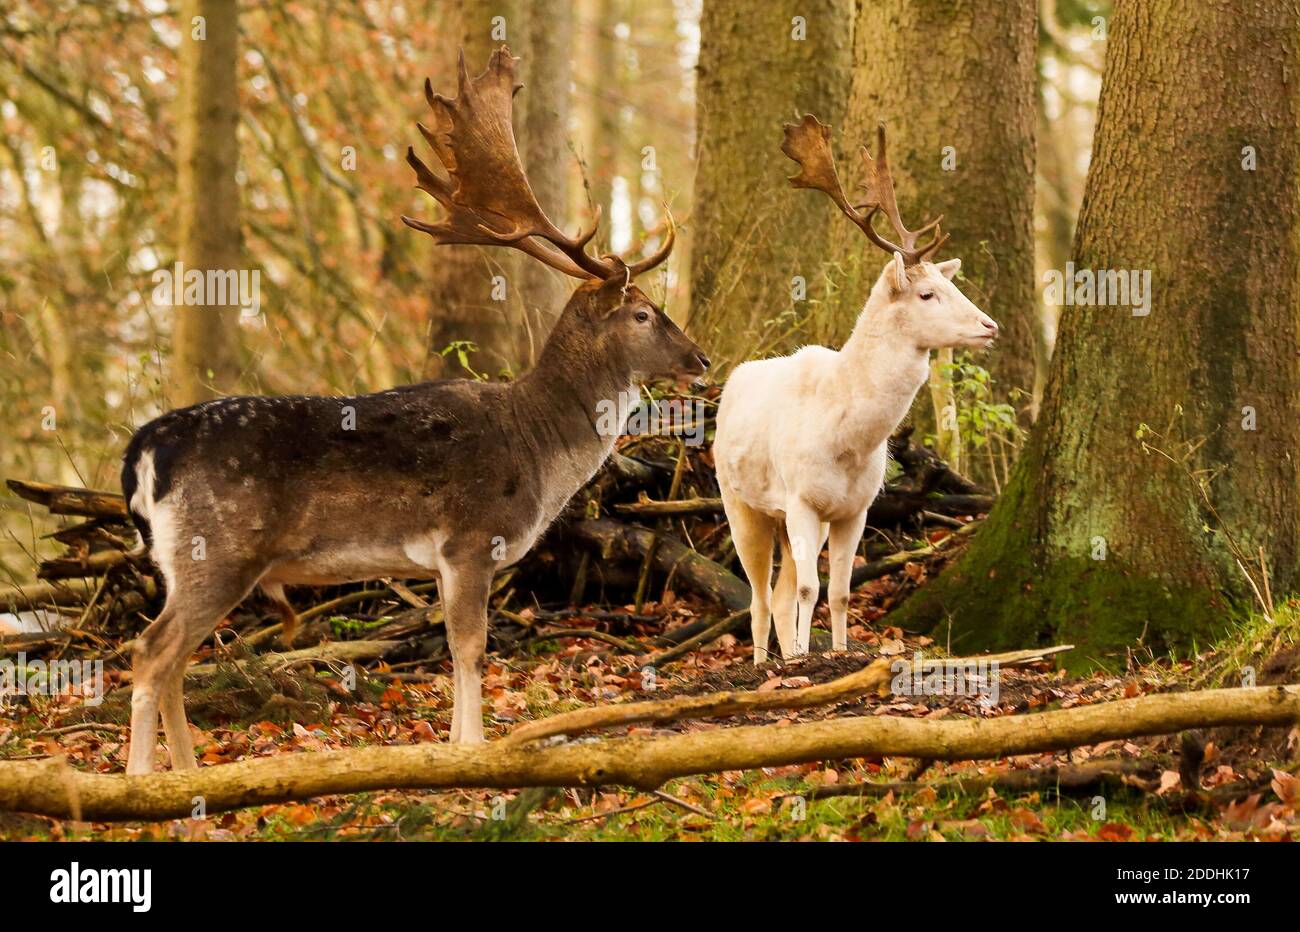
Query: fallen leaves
(1116, 831)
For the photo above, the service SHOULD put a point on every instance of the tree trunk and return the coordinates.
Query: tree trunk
(472, 288)
(955, 82)
(598, 79)
(546, 156)
(205, 338)
(1097, 540)
(761, 65)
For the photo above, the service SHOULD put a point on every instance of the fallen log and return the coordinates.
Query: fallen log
(924, 469)
(895, 507)
(693, 570)
(51, 787)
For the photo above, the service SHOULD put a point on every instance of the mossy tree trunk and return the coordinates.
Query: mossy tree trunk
(955, 83)
(1097, 541)
(205, 338)
(761, 65)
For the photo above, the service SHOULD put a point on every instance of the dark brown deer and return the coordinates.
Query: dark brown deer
(450, 480)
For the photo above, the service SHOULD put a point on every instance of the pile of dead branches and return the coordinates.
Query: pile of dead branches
(647, 532)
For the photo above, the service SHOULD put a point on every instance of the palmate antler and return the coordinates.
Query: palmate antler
(488, 199)
(808, 142)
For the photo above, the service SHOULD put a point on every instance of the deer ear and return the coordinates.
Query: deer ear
(948, 269)
(612, 293)
(899, 283)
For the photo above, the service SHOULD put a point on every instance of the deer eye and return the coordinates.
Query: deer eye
(927, 295)
(642, 316)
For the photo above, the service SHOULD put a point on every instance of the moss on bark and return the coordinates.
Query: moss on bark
(1209, 362)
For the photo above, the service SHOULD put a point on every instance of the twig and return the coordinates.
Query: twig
(84, 726)
(668, 798)
(613, 812)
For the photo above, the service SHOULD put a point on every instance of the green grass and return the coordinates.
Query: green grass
(735, 817)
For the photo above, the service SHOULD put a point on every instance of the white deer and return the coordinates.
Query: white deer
(801, 439)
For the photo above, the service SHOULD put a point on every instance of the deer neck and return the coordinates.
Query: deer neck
(882, 370)
(573, 405)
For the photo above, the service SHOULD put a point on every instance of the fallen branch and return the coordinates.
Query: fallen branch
(15, 598)
(896, 561)
(68, 500)
(99, 563)
(681, 506)
(695, 641)
(869, 679)
(50, 787)
(331, 651)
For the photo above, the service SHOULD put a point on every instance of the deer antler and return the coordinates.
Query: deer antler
(488, 199)
(808, 143)
(880, 196)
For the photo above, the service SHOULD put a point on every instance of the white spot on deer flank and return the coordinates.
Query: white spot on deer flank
(423, 551)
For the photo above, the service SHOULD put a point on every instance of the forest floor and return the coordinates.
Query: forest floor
(1246, 786)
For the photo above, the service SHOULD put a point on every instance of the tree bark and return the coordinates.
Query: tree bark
(955, 82)
(752, 234)
(1096, 540)
(205, 338)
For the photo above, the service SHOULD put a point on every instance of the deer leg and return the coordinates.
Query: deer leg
(464, 588)
(180, 746)
(844, 537)
(806, 535)
(144, 711)
(195, 605)
(752, 532)
(783, 607)
(288, 617)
